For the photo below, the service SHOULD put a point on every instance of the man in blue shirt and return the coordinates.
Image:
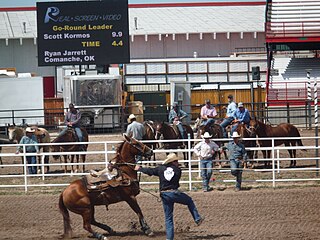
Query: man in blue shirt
(232, 107)
(169, 174)
(175, 117)
(237, 155)
(72, 119)
(30, 138)
(241, 115)
(136, 130)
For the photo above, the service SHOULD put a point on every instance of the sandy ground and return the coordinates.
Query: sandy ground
(291, 213)
(255, 213)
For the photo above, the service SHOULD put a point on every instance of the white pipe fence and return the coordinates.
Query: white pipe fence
(10, 178)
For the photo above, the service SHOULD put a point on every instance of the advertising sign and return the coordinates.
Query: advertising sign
(83, 32)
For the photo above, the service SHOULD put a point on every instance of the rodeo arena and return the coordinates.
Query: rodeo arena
(91, 141)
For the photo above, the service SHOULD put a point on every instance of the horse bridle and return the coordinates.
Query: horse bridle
(142, 150)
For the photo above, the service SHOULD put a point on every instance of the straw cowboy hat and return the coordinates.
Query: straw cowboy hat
(30, 130)
(235, 135)
(170, 158)
(131, 116)
(206, 135)
(240, 104)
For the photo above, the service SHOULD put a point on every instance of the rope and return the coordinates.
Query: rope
(154, 195)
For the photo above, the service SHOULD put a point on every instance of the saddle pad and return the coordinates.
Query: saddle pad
(101, 183)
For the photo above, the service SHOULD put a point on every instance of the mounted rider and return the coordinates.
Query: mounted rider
(72, 120)
(175, 117)
(208, 113)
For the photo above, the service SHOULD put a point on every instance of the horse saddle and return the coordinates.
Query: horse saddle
(101, 183)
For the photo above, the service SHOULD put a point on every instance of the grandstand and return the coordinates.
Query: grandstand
(292, 36)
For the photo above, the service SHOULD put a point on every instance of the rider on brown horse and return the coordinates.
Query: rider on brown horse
(72, 120)
(175, 117)
(208, 113)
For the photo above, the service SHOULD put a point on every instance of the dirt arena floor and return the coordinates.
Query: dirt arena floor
(287, 212)
(291, 213)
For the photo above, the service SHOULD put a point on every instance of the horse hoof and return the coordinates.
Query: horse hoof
(149, 232)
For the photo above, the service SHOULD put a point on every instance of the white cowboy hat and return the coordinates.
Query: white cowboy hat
(132, 116)
(240, 104)
(235, 135)
(206, 135)
(170, 158)
(30, 130)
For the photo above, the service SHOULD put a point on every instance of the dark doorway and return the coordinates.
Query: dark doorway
(154, 105)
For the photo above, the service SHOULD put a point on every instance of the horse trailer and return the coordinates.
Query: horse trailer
(97, 96)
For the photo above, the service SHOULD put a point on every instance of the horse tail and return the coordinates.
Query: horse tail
(299, 142)
(66, 217)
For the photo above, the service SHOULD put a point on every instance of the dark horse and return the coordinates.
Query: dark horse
(170, 132)
(281, 130)
(71, 136)
(77, 199)
(245, 132)
(150, 134)
(217, 133)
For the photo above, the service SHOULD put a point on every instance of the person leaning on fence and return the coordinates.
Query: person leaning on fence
(169, 174)
(205, 150)
(232, 107)
(72, 119)
(208, 113)
(241, 115)
(136, 130)
(30, 138)
(237, 156)
(175, 117)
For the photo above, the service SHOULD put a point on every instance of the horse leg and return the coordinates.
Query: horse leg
(72, 160)
(65, 161)
(83, 158)
(100, 225)
(292, 153)
(87, 220)
(132, 201)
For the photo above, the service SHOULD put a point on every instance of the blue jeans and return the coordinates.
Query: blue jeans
(181, 130)
(32, 160)
(78, 132)
(208, 121)
(224, 124)
(234, 164)
(206, 172)
(168, 200)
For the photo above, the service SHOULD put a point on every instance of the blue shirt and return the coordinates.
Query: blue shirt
(173, 114)
(73, 118)
(28, 140)
(243, 116)
(137, 130)
(237, 151)
(232, 107)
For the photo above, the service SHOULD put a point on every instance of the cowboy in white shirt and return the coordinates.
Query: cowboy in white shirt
(205, 150)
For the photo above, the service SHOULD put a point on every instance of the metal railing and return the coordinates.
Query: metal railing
(12, 178)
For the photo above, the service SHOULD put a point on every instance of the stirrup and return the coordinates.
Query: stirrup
(94, 173)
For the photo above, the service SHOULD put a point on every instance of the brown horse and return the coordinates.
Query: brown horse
(150, 135)
(281, 130)
(70, 136)
(16, 133)
(3, 140)
(217, 133)
(169, 132)
(245, 132)
(77, 199)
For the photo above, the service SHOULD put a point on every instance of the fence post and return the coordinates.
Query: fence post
(25, 169)
(273, 166)
(189, 161)
(309, 99)
(316, 123)
(288, 112)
